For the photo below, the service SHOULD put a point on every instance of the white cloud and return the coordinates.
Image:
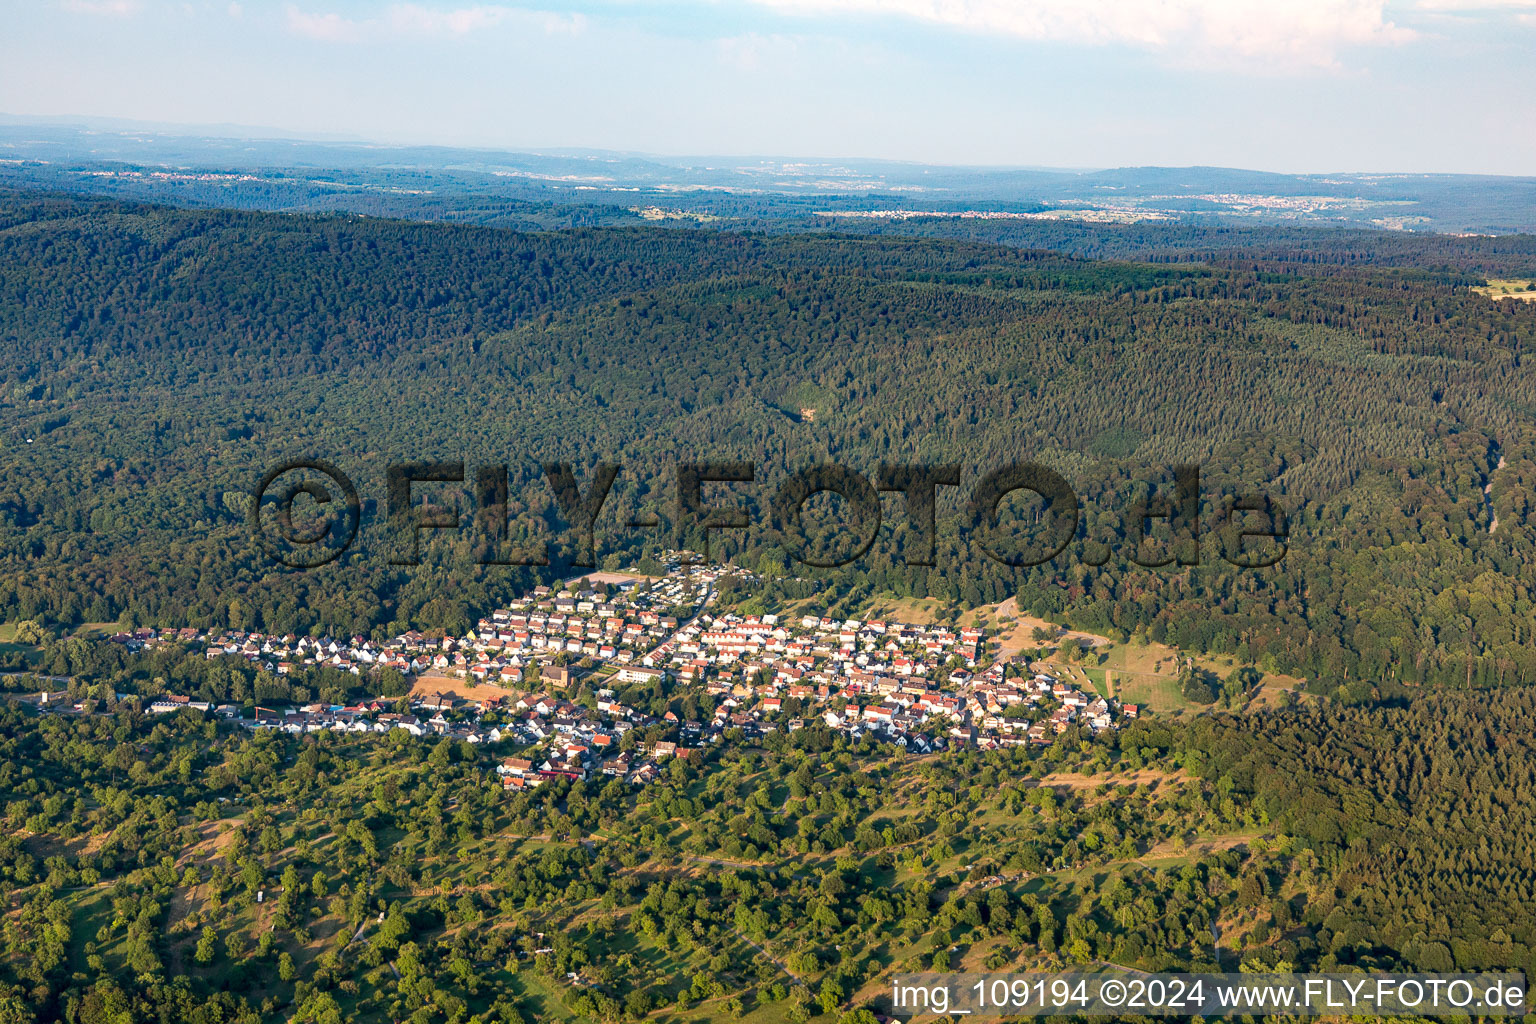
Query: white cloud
(117, 8)
(1521, 12)
(325, 27)
(1278, 32)
(414, 18)
(1477, 6)
(562, 24)
(411, 19)
(752, 52)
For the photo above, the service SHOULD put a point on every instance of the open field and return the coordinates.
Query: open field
(24, 650)
(96, 630)
(1521, 289)
(607, 577)
(921, 611)
(10, 649)
(1021, 632)
(1171, 852)
(1148, 674)
(1152, 778)
(1133, 673)
(88, 630)
(1145, 675)
(431, 683)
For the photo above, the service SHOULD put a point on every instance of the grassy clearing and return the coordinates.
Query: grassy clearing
(1076, 782)
(1160, 693)
(1173, 853)
(921, 611)
(1148, 674)
(1520, 289)
(10, 649)
(1130, 675)
(28, 652)
(96, 630)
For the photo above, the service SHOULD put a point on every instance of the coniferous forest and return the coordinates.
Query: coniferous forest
(158, 361)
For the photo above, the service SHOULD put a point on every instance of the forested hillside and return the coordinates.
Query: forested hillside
(163, 869)
(157, 361)
(1225, 243)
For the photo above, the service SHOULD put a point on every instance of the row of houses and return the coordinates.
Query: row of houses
(924, 687)
(906, 682)
(618, 623)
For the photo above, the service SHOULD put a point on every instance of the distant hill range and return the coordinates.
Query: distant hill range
(251, 168)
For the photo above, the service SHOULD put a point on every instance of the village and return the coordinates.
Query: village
(570, 673)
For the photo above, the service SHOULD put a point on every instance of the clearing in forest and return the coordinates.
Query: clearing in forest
(1520, 289)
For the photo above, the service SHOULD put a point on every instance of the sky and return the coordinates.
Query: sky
(1281, 85)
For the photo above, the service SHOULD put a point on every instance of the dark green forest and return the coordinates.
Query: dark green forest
(1227, 243)
(157, 361)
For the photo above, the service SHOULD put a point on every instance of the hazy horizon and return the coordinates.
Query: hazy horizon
(271, 133)
(1308, 86)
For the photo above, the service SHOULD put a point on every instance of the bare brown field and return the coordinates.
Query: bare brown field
(607, 577)
(1078, 782)
(1021, 636)
(213, 837)
(430, 684)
